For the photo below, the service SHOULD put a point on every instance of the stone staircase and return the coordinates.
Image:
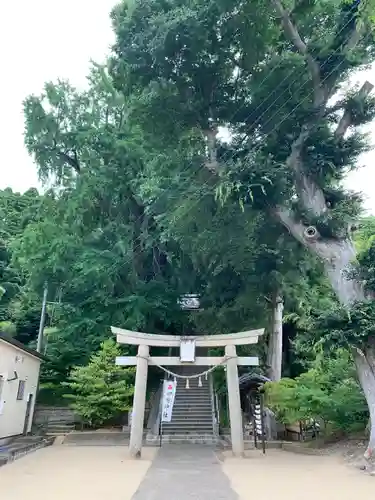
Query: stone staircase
(192, 417)
(22, 445)
(58, 429)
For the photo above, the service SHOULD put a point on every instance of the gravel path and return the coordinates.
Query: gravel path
(74, 473)
(185, 473)
(179, 473)
(288, 476)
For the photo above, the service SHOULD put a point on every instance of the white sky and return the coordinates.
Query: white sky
(41, 40)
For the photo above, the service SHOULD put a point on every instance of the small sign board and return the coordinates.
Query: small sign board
(189, 302)
(187, 351)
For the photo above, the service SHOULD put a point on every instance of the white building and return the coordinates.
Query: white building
(19, 376)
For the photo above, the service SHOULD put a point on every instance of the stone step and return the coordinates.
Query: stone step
(192, 400)
(189, 423)
(198, 390)
(180, 432)
(183, 388)
(173, 427)
(192, 393)
(179, 418)
(22, 446)
(192, 404)
(189, 412)
(95, 438)
(190, 439)
(189, 394)
(192, 397)
(66, 428)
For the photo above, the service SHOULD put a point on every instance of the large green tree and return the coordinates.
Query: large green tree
(108, 246)
(99, 247)
(19, 307)
(266, 71)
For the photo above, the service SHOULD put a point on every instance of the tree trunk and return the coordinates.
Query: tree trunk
(337, 257)
(348, 291)
(275, 343)
(366, 373)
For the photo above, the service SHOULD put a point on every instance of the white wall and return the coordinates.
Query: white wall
(13, 411)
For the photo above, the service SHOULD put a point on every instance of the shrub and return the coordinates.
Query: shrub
(329, 391)
(101, 390)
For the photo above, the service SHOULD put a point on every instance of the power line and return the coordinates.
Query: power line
(229, 155)
(212, 176)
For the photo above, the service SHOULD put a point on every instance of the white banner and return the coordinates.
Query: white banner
(169, 393)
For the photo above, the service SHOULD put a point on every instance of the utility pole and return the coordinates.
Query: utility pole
(42, 319)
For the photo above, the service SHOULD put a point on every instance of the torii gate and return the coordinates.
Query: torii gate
(143, 359)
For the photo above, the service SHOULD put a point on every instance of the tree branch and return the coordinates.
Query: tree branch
(293, 35)
(333, 109)
(311, 196)
(346, 119)
(309, 237)
(354, 38)
(211, 163)
(287, 219)
(73, 162)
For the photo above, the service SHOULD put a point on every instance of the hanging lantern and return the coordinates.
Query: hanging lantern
(200, 382)
(206, 375)
(187, 384)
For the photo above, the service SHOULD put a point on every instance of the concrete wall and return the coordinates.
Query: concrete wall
(13, 411)
(47, 415)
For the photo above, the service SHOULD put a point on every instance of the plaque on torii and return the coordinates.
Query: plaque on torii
(187, 350)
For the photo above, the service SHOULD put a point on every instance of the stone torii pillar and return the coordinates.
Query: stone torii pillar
(235, 413)
(139, 402)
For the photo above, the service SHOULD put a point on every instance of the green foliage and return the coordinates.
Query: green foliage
(98, 244)
(8, 328)
(17, 305)
(365, 234)
(342, 327)
(328, 392)
(101, 390)
(365, 267)
(184, 83)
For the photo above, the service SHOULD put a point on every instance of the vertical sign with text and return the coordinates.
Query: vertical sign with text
(169, 393)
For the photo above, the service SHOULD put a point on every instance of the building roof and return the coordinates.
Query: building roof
(252, 381)
(19, 345)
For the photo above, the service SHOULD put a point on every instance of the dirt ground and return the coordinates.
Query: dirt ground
(101, 472)
(74, 473)
(290, 476)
